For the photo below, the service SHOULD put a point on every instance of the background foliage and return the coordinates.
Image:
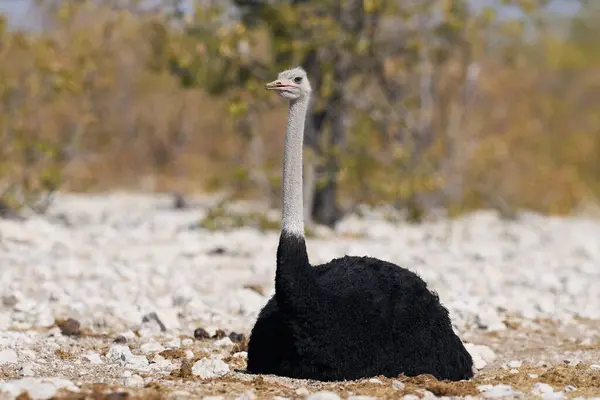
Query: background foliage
(419, 104)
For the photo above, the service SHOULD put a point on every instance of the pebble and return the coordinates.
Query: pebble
(541, 388)
(514, 364)
(93, 358)
(36, 388)
(134, 381)
(362, 398)
(151, 347)
(302, 391)
(187, 342)
(247, 395)
(595, 366)
(8, 356)
(224, 342)
(212, 367)
(498, 391)
(398, 385)
(324, 395)
(27, 370)
(188, 354)
(375, 380)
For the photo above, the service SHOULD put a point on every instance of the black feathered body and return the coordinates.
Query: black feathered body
(351, 318)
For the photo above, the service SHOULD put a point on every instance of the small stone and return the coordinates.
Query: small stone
(36, 388)
(200, 333)
(375, 380)
(219, 334)
(514, 364)
(150, 319)
(187, 342)
(247, 395)
(410, 397)
(189, 354)
(26, 370)
(302, 391)
(533, 376)
(93, 358)
(213, 398)
(398, 385)
(210, 368)
(513, 371)
(553, 396)
(570, 388)
(362, 398)
(8, 356)
(323, 395)
(151, 347)
(134, 381)
(69, 327)
(541, 388)
(500, 391)
(174, 343)
(595, 366)
(126, 374)
(484, 388)
(237, 337)
(224, 342)
(240, 354)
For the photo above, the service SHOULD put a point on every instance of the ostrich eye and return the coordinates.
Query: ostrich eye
(298, 79)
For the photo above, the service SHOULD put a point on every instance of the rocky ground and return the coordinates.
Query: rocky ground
(121, 296)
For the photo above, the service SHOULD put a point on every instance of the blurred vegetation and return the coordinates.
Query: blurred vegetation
(419, 104)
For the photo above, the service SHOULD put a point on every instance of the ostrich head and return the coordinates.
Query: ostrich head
(292, 84)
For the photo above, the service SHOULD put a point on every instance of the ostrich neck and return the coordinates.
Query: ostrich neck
(292, 219)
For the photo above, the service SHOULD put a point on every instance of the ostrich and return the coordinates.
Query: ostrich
(353, 317)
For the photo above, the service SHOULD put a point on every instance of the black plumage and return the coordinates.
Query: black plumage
(351, 318)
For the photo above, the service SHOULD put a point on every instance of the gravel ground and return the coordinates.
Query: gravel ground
(103, 298)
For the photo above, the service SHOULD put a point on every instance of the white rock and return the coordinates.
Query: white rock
(398, 385)
(8, 356)
(134, 381)
(187, 342)
(240, 354)
(375, 380)
(553, 396)
(27, 370)
(93, 358)
(570, 388)
(119, 353)
(36, 388)
(513, 371)
(323, 395)
(213, 398)
(595, 366)
(362, 398)
(478, 361)
(247, 395)
(500, 391)
(207, 368)
(189, 354)
(151, 347)
(223, 342)
(533, 376)
(174, 343)
(541, 388)
(514, 364)
(302, 392)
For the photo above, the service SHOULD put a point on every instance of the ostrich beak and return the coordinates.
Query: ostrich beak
(277, 85)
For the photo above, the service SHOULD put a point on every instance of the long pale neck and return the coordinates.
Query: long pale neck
(292, 219)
